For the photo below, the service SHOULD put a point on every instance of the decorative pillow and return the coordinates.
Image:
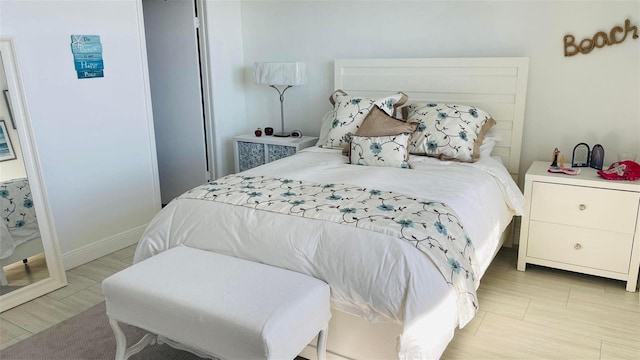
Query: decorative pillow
(378, 123)
(349, 113)
(446, 131)
(388, 151)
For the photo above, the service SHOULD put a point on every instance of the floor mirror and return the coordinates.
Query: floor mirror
(29, 253)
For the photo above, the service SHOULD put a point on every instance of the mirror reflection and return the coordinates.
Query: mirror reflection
(22, 258)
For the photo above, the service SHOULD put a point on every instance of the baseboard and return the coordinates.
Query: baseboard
(102, 247)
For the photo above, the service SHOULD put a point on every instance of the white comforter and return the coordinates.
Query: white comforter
(371, 274)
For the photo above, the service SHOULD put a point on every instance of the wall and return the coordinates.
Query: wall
(586, 98)
(94, 136)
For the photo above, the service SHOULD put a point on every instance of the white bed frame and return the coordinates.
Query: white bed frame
(496, 85)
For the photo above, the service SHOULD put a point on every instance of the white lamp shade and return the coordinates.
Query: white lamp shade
(285, 74)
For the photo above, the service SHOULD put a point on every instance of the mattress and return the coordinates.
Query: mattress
(371, 275)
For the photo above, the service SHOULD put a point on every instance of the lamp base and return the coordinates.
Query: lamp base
(282, 134)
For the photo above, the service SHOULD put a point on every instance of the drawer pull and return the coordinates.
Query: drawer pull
(582, 207)
(577, 246)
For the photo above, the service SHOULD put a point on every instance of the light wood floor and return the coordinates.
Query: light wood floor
(20, 274)
(538, 314)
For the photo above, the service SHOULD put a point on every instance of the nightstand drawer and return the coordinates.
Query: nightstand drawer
(593, 208)
(589, 248)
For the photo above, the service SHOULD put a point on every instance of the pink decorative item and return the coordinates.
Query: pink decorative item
(622, 170)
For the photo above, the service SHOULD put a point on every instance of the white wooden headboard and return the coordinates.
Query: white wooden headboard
(496, 85)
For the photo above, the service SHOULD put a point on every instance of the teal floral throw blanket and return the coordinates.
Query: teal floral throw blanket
(430, 226)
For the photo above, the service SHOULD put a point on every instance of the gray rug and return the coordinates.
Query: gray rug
(5, 289)
(87, 336)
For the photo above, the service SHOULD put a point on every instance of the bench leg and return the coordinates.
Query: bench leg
(122, 353)
(321, 346)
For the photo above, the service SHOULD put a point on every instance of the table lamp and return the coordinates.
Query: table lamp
(276, 74)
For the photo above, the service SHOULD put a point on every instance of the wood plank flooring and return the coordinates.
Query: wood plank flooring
(538, 314)
(18, 274)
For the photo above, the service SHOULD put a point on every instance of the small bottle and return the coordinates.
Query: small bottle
(258, 132)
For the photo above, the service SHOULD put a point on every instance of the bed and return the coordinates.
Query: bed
(389, 300)
(19, 231)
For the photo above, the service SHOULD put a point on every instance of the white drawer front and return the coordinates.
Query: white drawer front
(593, 208)
(582, 247)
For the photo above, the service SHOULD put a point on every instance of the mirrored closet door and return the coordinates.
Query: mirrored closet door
(29, 255)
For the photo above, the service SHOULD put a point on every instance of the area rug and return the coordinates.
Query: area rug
(87, 336)
(7, 289)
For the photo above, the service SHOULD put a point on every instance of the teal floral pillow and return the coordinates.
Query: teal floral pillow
(349, 113)
(388, 151)
(446, 131)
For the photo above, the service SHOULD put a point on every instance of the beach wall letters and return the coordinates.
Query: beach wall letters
(616, 35)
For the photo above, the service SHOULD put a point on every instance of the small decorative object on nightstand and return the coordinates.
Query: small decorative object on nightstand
(554, 159)
(580, 155)
(251, 151)
(581, 223)
(597, 157)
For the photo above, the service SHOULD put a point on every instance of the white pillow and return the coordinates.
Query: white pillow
(349, 113)
(490, 139)
(327, 119)
(390, 151)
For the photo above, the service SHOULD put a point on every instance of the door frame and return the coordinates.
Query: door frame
(207, 93)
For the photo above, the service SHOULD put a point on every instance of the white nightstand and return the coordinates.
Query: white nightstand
(581, 223)
(251, 151)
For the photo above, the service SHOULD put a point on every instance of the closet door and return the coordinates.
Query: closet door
(174, 72)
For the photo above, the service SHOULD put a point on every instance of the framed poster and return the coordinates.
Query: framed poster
(6, 148)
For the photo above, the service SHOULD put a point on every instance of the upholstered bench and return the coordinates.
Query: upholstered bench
(217, 306)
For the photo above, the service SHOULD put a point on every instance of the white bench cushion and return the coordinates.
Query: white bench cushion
(225, 306)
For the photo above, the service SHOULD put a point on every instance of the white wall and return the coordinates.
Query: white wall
(94, 136)
(591, 98)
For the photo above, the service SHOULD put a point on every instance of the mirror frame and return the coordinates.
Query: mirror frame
(57, 277)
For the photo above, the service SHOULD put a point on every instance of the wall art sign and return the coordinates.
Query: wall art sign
(616, 35)
(87, 56)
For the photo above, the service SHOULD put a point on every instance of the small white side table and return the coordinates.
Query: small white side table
(581, 223)
(251, 151)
